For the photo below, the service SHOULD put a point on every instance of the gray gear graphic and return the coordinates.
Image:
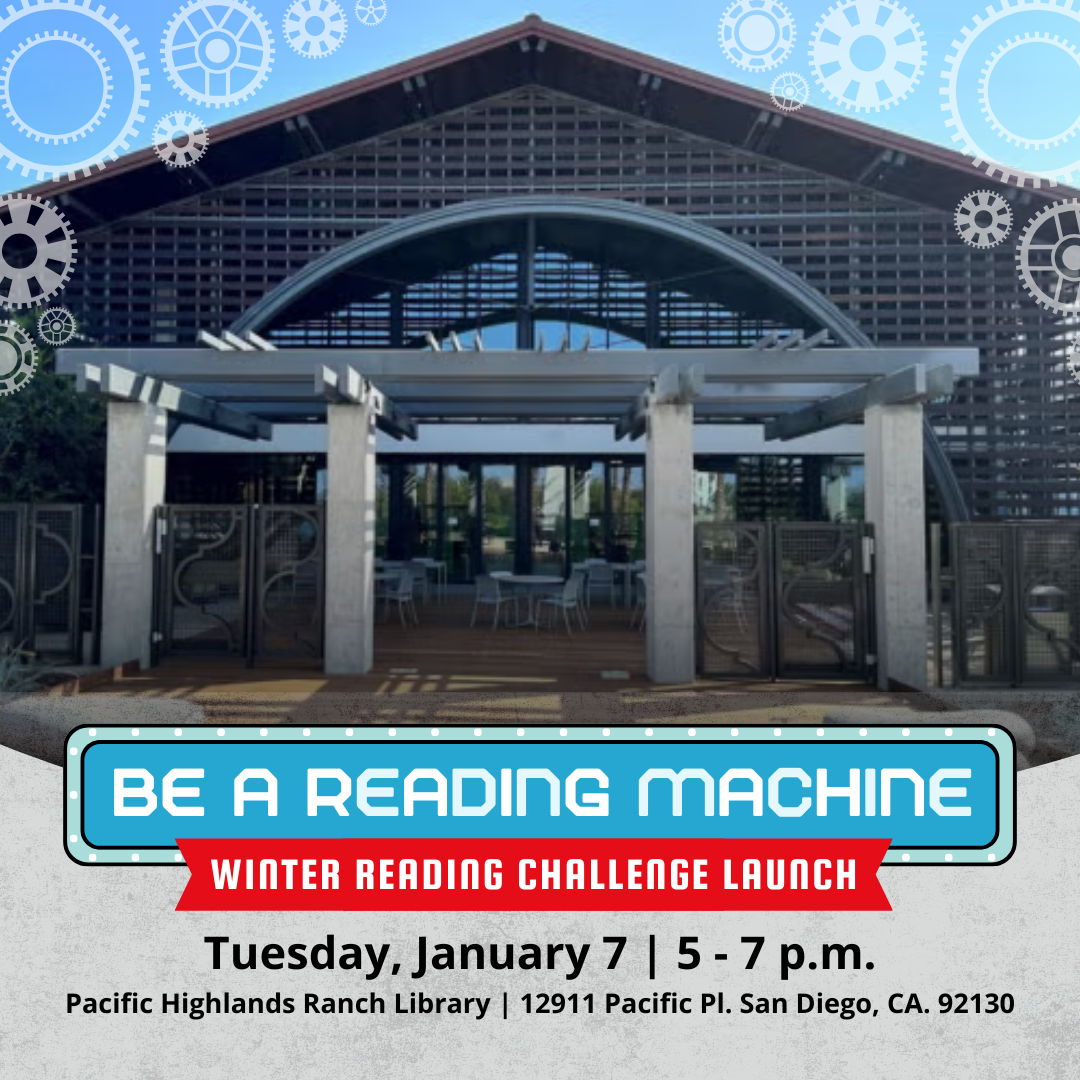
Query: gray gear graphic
(44, 136)
(867, 54)
(315, 28)
(57, 326)
(983, 219)
(180, 139)
(790, 92)
(984, 95)
(371, 12)
(975, 146)
(37, 251)
(217, 52)
(23, 158)
(1072, 359)
(1048, 257)
(757, 35)
(18, 358)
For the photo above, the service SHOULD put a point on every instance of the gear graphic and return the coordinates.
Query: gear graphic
(983, 219)
(984, 93)
(370, 12)
(757, 35)
(18, 358)
(44, 136)
(217, 52)
(57, 326)
(962, 134)
(1048, 257)
(867, 54)
(315, 28)
(1072, 359)
(37, 251)
(180, 139)
(23, 157)
(790, 92)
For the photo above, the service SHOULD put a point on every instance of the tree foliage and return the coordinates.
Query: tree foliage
(52, 438)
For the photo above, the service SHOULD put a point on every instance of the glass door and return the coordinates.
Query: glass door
(587, 513)
(421, 511)
(627, 513)
(548, 520)
(459, 516)
(498, 509)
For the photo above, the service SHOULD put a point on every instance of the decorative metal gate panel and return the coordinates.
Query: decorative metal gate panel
(42, 582)
(1017, 603)
(240, 581)
(785, 600)
(288, 617)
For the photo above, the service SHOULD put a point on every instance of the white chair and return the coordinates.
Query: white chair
(489, 592)
(567, 599)
(399, 590)
(600, 576)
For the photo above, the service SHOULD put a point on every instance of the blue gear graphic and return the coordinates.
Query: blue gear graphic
(757, 35)
(217, 52)
(867, 54)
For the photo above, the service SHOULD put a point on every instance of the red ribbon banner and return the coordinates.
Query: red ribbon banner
(533, 875)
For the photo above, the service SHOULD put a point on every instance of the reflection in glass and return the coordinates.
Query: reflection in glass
(627, 513)
(460, 513)
(497, 536)
(587, 513)
(714, 496)
(843, 489)
(421, 511)
(382, 510)
(549, 520)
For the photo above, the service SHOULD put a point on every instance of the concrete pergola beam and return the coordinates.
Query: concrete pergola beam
(673, 386)
(910, 386)
(346, 386)
(120, 384)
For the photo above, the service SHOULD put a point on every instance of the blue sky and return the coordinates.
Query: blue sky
(1033, 90)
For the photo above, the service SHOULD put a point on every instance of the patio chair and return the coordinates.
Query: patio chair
(567, 599)
(600, 576)
(489, 592)
(400, 591)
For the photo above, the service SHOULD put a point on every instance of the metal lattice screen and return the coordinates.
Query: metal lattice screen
(784, 600)
(1017, 603)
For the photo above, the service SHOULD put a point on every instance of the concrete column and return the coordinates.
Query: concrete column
(895, 505)
(350, 540)
(134, 487)
(669, 543)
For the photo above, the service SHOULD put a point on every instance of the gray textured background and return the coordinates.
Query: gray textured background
(94, 931)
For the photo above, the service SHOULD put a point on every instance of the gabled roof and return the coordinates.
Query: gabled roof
(530, 52)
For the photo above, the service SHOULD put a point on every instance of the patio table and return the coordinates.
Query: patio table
(530, 584)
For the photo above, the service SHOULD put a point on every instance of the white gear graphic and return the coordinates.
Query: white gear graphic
(18, 358)
(1048, 257)
(983, 219)
(106, 87)
(757, 35)
(37, 251)
(180, 139)
(967, 141)
(867, 54)
(1072, 360)
(790, 92)
(315, 28)
(57, 326)
(217, 52)
(984, 93)
(370, 12)
(24, 158)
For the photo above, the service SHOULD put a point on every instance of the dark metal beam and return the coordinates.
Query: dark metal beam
(912, 385)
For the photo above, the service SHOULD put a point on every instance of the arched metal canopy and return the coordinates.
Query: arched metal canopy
(655, 245)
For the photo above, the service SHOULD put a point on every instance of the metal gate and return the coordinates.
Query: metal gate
(48, 580)
(785, 600)
(244, 581)
(1016, 599)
